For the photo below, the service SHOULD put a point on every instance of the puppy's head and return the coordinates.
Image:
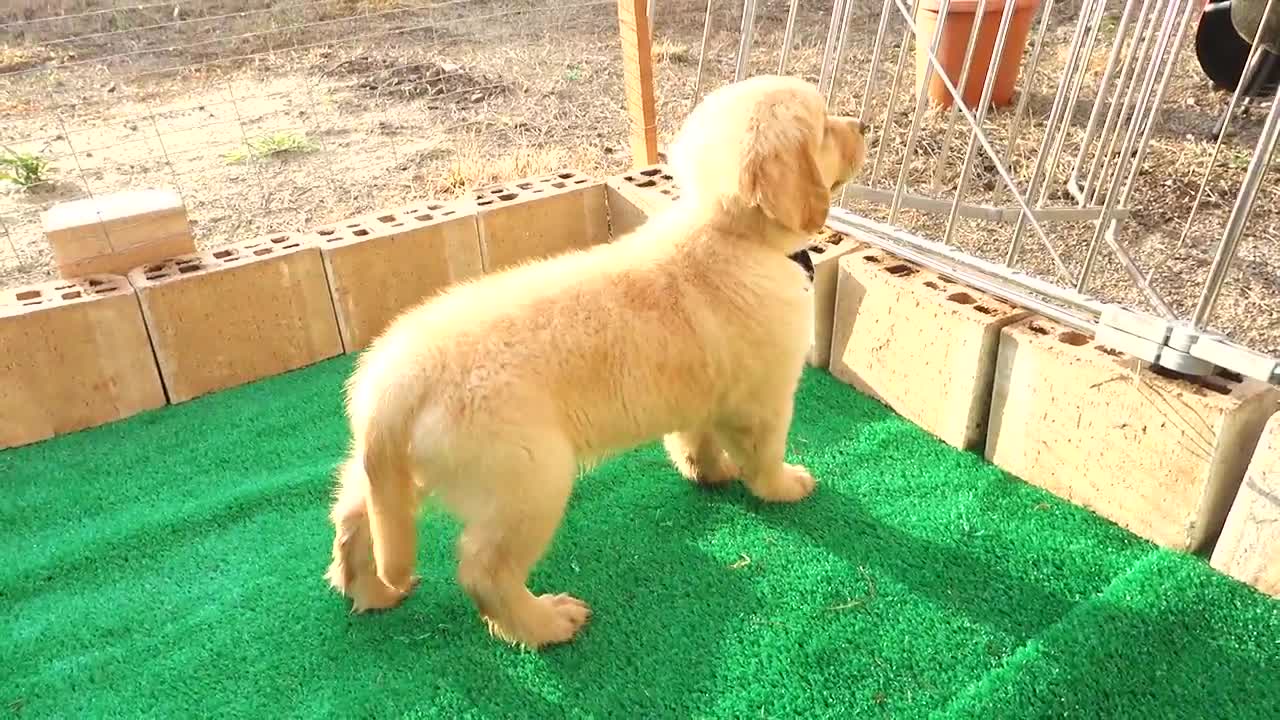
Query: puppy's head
(768, 143)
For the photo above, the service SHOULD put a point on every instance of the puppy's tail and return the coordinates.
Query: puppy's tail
(392, 500)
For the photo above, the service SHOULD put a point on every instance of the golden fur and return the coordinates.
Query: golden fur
(494, 394)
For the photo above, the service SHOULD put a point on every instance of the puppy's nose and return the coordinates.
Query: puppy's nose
(861, 127)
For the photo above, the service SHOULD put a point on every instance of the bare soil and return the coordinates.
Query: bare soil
(375, 103)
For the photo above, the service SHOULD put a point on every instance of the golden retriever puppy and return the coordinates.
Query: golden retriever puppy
(493, 395)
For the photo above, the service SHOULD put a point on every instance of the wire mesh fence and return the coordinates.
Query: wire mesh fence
(269, 115)
(1110, 173)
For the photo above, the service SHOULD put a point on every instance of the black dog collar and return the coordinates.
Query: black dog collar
(803, 260)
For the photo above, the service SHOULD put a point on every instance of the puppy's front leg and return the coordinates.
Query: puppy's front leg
(699, 457)
(758, 440)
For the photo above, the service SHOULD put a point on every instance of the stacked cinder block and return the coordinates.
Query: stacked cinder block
(539, 217)
(73, 355)
(1159, 455)
(231, 316)
(117, 232)
(920, 343)
(635, 196)
(382, 264)
(825, 251)
(1249, 547)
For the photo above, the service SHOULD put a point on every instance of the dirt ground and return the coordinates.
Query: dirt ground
(271, 116)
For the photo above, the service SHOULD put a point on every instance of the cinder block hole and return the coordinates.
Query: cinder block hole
(508, 196)
(1107, 351)
(103, 290)
(290, 246)
(536, 191)
(1038, 329)
(649, 172)
(188, 261)
(353, 225)
(156, 275)
(482, 203)
(817, 249)
(901, 270)
(580, 181)
(262, 251)
(158, 268)
(1212, 383)
(872, 259)
(223, 254)
(558, 185)
(33, 302)
(985, 310)
(192, 268)
(327, 232)
(360, 233)
(399, 224)
(279, 239)
(835, 240)
(646, 183)
(435, 206)
(524, 185)
(667, 192)
(386, 218)
(1073, 338)
(667, 177)
(72, 295)
(946, 278)
(425, 217)
(497, 191)
(962, 298)
(565, 175)
(64, 287)
(28, 295)
(251, 246)
(932, 285)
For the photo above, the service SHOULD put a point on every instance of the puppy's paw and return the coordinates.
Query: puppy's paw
(559, 619)
(376, 595)
(793, 484)
(719, 470)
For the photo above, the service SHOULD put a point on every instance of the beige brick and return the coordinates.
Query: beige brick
(825, 252)
(74, 354)
(230, 316)
(1159, 455)
(923, 345)
(117, 232)
(1249, 547)
(384, 263)
(539, 217)
(635, 196)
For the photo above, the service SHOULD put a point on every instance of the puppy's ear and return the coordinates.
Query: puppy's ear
(782, 178)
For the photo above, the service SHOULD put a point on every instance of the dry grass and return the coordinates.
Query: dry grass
(406, 99)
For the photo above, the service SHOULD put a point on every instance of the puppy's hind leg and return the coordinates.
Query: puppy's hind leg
(699, 457)
(507, 532)
(351, 571)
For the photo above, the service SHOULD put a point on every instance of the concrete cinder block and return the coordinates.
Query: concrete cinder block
(635, 196)
(117, 232)
(825, 252)
(1249, 547)
(74, 354)
(922, 344)
(382, 264)
(1159, 455)
(230, 316)
(539, 217)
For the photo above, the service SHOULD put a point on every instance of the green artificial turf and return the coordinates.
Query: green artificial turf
(170, 566)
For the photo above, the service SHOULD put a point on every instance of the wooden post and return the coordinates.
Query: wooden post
(637, 66)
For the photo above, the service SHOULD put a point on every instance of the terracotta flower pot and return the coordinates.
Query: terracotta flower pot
(961, 15)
